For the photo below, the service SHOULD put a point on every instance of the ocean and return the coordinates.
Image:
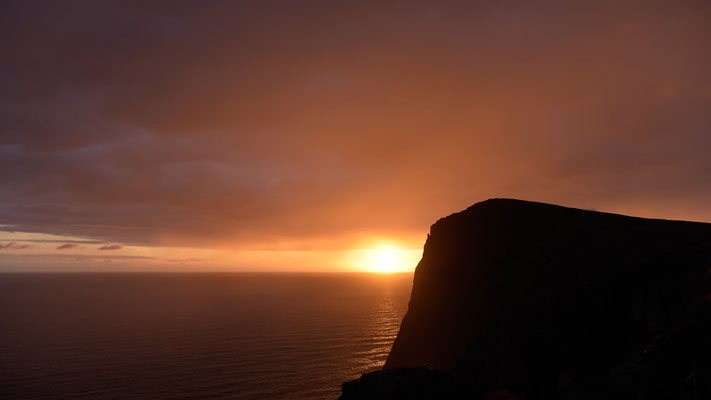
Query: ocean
(194, 336)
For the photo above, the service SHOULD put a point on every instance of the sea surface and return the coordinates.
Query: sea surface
(194, 336)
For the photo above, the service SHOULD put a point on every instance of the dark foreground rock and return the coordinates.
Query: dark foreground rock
(402, 383)
(516, 299)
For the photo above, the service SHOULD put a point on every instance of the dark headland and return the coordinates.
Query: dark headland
(522, 300)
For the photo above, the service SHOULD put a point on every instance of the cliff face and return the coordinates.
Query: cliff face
(542, 301)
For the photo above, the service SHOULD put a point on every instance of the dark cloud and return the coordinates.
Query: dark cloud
(67, 246)
(111, 247)
(251, 123)
(14, 246)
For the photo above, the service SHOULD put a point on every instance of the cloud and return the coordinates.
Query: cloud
(374, 119)
(14, 246)
(67, 246)
(57, 262)
(111, 247)
(56, 240)
(189, 260)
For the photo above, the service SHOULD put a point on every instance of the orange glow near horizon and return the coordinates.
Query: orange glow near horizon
(337, 149)
(385, 259)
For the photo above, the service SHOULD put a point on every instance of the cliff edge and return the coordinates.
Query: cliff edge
(518, 299)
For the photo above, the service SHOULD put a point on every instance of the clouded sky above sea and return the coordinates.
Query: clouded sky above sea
(271, 132)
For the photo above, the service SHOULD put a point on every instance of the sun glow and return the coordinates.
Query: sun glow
(385, 259)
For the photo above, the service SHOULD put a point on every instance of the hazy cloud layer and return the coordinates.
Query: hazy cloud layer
(14, 246)
(58, 241)
(251, 124)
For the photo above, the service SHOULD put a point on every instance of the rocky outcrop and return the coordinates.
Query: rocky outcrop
(527, 300)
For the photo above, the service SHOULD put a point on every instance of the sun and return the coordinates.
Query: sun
(385, 259)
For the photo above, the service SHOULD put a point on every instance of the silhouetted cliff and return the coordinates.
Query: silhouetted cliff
(528, 300)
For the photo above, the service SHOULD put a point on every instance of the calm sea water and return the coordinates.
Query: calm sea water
(198, 336)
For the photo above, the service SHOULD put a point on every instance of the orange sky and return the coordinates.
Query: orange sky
(287, 135)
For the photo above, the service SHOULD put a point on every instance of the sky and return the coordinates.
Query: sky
(297, 135)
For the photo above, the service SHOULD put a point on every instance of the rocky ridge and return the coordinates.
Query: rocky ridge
(516, 299)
